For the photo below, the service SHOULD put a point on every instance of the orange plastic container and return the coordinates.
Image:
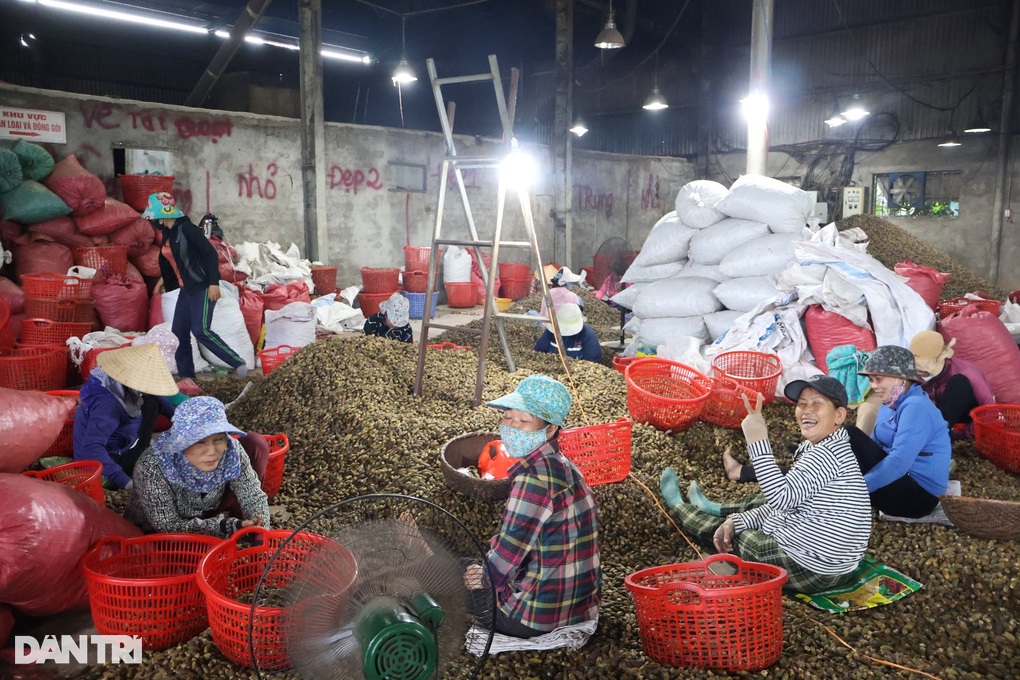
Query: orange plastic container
(279, 445)
(47, 332)
(667, 395)
(84, 475)
(80, 311)
(107, 259)
(274, 356)
(33, 368)
(461, 295)
(380, 280)
(56, 286)
(601, 453)
(370, 301)
(948, 307)
(997, 434)
(324, 279)
(754, 370)
(515, 289)
(724, 407)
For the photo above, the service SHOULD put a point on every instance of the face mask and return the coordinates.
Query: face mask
(519, 443)
(895, 394)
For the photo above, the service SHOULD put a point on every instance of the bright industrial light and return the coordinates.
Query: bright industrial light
(345, 56)
(579, 128)
(755, 106)
(835, 121)
(403, 74)
(950, 139)
(146, 20)
(610, 38)
(23, 42)
(518, 169)
(975, 127)
(856, 110)
(655, 101)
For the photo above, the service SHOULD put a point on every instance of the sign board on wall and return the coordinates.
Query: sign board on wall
(32, 125)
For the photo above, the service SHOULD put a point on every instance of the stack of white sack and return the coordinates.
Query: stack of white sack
(267, 263)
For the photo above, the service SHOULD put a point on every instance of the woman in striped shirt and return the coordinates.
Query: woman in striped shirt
(814, 521)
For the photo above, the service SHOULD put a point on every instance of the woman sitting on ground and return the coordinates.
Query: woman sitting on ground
(579, 339)
(814, 521)
(392, 320)
(196, 478)
(544, 562)
(955, 386)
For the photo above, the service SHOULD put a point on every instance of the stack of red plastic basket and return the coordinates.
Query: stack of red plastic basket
(377, 285)
(57, 306)
(515, 280)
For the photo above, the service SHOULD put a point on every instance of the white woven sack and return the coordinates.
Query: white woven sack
(655, 332)
(695, 201)
(745, 293)
(706, 271)
(456, 265)
(718, 323)
(710, 245)
(666, 243)
(228, 323)
(628, 296)
(293, 324)
(783, 207)
(641, 274)
(168, 302)
(677, 297)
(760, 257)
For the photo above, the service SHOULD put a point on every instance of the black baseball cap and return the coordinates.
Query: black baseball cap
(830, 387)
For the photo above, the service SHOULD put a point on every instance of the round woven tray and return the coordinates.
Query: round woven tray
(983, 517)
(463, 451)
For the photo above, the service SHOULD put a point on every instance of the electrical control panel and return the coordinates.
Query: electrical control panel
(853, 201)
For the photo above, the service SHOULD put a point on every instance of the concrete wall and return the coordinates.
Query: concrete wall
(967, 238)
(246, 169)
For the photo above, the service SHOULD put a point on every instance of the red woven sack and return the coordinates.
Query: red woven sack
(47, 529)
(6, 623)
(983, 340)
(82, 191)
(11, 292)
(132, 273)
(476, 274)
(63, 231)
(826, 330)
(29, 423)
(225, 254)
(112, 216)
(11, 233)
(137, 235)
(148, 262)
(41, 256)
(122, 303)
(924, 281)
(278, 295)
(252, 309)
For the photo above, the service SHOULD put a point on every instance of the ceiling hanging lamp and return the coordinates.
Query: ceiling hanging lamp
(403, 74)
(951, 139)
(835, 120)
(579, 127)
(610, 38)
(855, 111)
(655, 100)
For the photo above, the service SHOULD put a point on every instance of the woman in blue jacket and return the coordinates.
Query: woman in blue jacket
(906, 462)
(118, 407)
(579, 339)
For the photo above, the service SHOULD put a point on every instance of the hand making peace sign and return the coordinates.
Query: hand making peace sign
(753, 424)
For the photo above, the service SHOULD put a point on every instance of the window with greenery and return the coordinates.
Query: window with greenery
(917, 194)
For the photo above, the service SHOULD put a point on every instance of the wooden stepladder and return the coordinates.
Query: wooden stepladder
(457, 163)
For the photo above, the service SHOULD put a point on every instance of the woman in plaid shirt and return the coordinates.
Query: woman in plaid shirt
(544, 562)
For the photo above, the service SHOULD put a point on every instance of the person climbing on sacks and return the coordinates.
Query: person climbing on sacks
(188, 262)
(815, 520)
(391, 321)
(197, 479)
(955, 386)
(544, 562)
(579, 339)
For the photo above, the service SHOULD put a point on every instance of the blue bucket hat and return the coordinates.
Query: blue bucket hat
(196, 419)
(162, 204)
(540, 396)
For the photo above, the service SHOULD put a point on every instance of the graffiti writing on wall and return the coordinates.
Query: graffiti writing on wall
(102, 115)
(650, 195)
(470, 176)
(250, 185)
(353, 180)
(587, 200)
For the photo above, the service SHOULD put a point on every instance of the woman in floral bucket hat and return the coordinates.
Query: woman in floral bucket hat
(544, 562)
(391, 321)
(188, 480)
(906, 462)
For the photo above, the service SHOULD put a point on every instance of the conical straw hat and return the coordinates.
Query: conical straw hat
(141, 368)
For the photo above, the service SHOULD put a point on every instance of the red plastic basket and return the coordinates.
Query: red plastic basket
(33, 368)
(229, 571)
(954, 305)
(279, 445)
(91, 358)
(461, 295)
(689, 616)
(370, 302)
(147, 586)
(514, 270)
(6, 338)
(415, 281)
(56, 286)
(754, 370)
(62, 311)
(274, 356)
(47, 332)
(64, 445)
(84, 475)
(667, 395)
(137, 188)
(515, 289)
(621, 363)
(417, 258)
(380, 280)
(724, 406)
(447, 346)
(600, 452)
(107, 259)
(324, 279)
(997, 435)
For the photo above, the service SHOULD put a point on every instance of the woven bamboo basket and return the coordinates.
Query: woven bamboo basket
(983, 517)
